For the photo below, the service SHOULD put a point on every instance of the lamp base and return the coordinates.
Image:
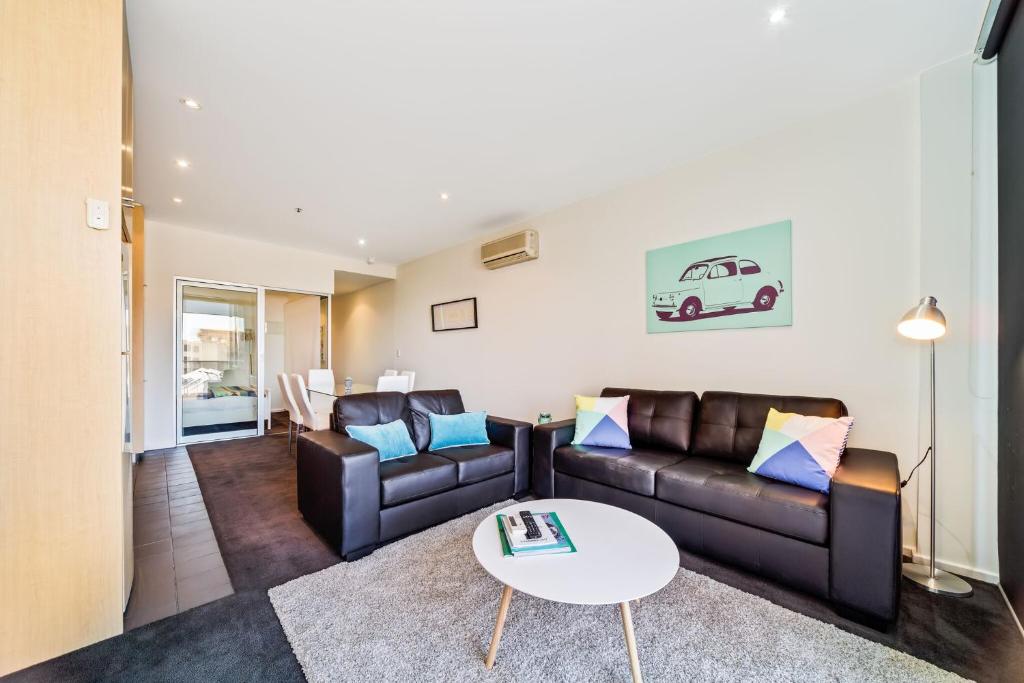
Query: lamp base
(943, 582)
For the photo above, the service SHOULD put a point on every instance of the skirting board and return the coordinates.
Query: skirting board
(962, 570)
(1010, 607)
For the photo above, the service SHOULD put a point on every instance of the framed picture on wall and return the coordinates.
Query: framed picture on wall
(739, 279)
(453, 315)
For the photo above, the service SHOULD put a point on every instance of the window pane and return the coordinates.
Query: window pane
(218, 360)
(749, 268)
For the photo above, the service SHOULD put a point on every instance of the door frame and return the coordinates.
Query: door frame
(261, 330)
(179, 284)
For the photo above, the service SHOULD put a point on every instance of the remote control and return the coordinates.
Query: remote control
(532, 530)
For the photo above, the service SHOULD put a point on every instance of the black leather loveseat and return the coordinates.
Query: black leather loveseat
(357, 502)
(687, 472)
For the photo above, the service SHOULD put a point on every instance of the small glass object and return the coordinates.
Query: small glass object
(544, 418)
(348, 386)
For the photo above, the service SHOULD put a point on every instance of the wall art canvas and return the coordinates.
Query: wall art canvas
(739, 279)
(454, 315)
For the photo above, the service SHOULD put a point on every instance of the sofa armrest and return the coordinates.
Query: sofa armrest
(865, 519)
(546, 438)
(513, 434)
(339, 489)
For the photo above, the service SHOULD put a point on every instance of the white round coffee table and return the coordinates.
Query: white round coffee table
(620, 556)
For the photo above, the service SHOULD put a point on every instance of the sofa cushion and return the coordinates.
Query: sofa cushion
(730, 425)
(391, 440)
(476, 463)
(659, 419)
(423, 403)
(375, 408)
(415, 476)
(462, 429)
(602, 421)
(801, 449)
(726, 489)
(630, 469)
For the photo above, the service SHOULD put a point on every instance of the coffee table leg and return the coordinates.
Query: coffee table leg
(506, 599)
(627, 626)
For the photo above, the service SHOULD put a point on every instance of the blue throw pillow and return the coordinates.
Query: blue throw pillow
(391, 440)
(463, 429)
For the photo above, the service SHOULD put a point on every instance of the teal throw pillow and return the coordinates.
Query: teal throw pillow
(391, 440)
(462, 429)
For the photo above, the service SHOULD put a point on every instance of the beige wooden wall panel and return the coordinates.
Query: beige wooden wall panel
(60, 479)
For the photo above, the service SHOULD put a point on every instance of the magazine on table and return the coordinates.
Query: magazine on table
(553, 538)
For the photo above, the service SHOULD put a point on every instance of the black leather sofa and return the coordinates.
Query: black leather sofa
(687, 472)
(357, 502)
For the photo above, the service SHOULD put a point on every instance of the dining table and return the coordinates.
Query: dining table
(322, 396)
(339, 389)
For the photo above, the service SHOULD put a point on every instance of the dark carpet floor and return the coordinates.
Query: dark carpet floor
(249, 489)
(975, 637)
(251, 497)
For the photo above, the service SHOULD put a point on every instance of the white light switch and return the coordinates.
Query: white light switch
(97, 214)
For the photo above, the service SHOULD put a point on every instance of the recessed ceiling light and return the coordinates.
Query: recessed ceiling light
(183, 163)
(778, 15)
(444, 196)
(190, 103)
(362, 241)
(176, 200)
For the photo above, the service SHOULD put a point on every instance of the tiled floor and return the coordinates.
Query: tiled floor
(177, 561)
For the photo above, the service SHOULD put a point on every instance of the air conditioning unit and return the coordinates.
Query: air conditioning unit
(522, 246)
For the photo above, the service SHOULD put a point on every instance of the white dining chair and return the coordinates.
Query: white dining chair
(393, 383)
(411, 374)
(294, 414)
(311, 420)
(390, 372)
(321, 379)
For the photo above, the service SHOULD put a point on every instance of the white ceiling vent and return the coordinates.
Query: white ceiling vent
(522, 246)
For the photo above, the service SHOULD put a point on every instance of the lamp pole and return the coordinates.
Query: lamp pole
(931, 543)
(926, 322)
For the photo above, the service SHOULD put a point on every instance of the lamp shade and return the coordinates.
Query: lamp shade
(924, 321)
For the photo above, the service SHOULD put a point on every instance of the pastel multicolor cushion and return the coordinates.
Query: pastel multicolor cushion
(602, 422)
(801, 449)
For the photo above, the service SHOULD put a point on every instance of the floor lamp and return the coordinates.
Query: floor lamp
(925, 322)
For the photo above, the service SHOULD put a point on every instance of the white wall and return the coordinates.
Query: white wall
(173, 251)
(363, 337)
(273, 346)
(302, 335)
(958, 254)
(573, 321)
(883, 208)
(983, 369)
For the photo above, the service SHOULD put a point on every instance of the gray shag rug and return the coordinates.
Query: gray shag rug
(422, 609)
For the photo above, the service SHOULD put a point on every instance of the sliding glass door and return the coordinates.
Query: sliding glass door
(219, 353)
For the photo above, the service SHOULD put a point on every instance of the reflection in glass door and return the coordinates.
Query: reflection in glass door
(218, 370)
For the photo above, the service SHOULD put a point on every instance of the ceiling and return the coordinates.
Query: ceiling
(363, 113)
(346, 282)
